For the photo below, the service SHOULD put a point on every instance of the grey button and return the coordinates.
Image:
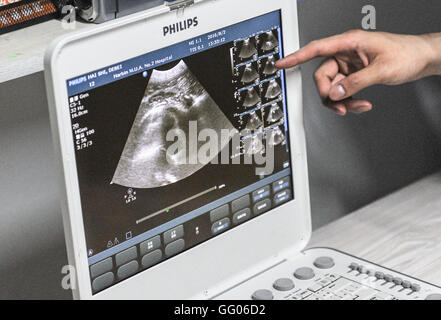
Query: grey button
(150, 245)
(151, 259)
(261, 193)
(126, 256)
(389, 278)
(397, 281)
(128, 269)
(362, 269)
(324, 263)
(406, 284)
(415, 287)
(434, 296)
(353, 266)
(371, 272)
(282, 197)
(174, 234)
(304, 273)
(174, 247)
(283, 284)
(240, 203)
(103, 281)
(262, 295)
(220, 213)
(262, 206)
(241, 216)
(220, 226)
(281, 184)
(101, 267)
(379, 275)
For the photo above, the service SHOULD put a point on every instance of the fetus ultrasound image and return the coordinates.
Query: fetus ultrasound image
(172, 99)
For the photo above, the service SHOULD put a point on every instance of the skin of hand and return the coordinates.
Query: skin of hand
(358, 59)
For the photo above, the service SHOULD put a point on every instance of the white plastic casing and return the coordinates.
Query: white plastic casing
(223, 261)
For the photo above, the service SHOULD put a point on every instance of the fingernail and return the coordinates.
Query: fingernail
(337, 92)
(341, 111)
(362, 109)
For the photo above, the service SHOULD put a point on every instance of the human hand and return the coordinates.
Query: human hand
(358, 59)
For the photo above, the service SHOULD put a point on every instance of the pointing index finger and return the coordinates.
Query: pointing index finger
(318, 48)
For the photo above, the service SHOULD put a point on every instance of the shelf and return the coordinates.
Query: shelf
(22, 51)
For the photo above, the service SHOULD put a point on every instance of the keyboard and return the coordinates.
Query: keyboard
(327, 274)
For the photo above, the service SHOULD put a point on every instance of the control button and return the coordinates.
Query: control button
(262, 295)
(315, 287)
(389, 278)
(379, 275)
(126, 256)
(173, 234)
(304, 273)
(261, 193)
(150, 245)
(103, 281)
(101, 267)
(362, 269)
(282, 197)
(174, 247)
(324, 263)
(128, 269)
(406, 284)
(220, 213)
(283, 284)
(151, 259)
(281, 184)
(353, 266)
(220, 225)
(241, 216)
(262, 206)
(398, 281)
(435, 296)
(240, 203)
(415, 287)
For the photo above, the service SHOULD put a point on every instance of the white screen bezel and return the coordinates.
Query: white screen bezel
(196, 273)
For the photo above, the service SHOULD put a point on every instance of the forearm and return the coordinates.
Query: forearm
(434, 58)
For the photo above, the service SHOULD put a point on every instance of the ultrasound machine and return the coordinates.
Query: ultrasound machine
(139, 225)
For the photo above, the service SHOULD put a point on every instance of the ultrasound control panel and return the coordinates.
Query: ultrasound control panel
(326, 274)
(152, 251)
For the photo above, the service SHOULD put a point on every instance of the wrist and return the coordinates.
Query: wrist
(433, 41)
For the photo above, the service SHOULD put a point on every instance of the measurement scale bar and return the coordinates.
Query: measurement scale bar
(176, 205)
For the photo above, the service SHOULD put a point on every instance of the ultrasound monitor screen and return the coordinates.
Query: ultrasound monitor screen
(180, 145)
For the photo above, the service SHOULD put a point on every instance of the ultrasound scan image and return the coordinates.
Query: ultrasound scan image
(172, 99)
(270, 41)
(248, 49)
(251, 98)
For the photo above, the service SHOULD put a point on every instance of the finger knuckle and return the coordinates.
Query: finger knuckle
(355, 80)
(317, 75)
(355, 32)
(315, 47)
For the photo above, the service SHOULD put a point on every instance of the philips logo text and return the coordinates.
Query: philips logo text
(180, 26)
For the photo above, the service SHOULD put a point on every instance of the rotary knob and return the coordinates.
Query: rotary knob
(324, 263)
(304, 273)
(262, 295)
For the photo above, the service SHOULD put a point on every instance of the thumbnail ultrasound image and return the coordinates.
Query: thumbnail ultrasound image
(267, 66)
(172, 99)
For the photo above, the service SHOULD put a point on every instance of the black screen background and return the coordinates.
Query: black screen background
(112, 110)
